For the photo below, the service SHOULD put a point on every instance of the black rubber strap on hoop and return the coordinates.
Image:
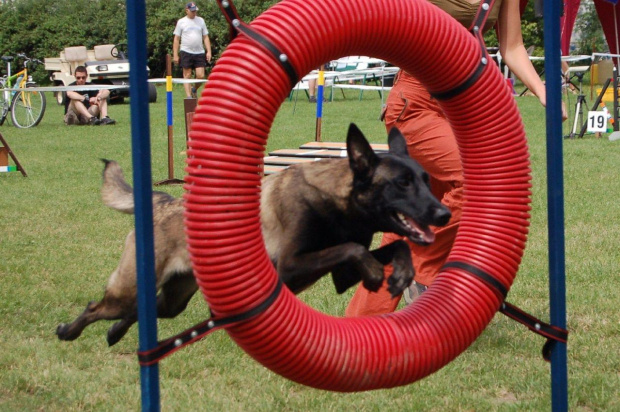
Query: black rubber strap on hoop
(481, 18)
(553, 334)
(476, 30)
(237, 25)
(487, 278)
(230, 13)
(169, 346)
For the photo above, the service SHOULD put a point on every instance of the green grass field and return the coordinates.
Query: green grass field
(59, 244)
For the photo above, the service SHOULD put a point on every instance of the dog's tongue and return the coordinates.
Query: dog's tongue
(425, 233)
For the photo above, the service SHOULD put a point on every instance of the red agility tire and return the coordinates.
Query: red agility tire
(236, 111)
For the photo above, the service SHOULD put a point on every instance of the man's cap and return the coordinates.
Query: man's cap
(191, 6)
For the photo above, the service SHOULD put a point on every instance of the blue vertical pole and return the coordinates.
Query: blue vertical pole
(555, 200)
(141, 156)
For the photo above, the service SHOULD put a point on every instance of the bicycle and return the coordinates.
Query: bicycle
(26, 107)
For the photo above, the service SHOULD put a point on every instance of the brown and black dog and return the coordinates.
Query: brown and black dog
(316, 217)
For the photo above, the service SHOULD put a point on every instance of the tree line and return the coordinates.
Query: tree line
(43, 28)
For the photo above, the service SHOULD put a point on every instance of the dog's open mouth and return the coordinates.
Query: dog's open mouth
(416, 232)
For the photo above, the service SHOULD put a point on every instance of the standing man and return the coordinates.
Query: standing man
(192, 38)
(85, 106)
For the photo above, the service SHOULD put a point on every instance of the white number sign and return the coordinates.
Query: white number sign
(597, 122)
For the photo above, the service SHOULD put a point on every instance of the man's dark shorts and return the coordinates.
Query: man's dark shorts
(191, 61)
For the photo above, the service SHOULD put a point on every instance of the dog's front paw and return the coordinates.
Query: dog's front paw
(403, 273)
(344, 277)
(372, 285)
(372, 277)
(398, 284)
(401, 278)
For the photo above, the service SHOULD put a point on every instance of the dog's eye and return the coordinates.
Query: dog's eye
(403, 183)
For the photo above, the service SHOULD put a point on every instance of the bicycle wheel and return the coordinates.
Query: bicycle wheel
(27, 108)
(5, 105)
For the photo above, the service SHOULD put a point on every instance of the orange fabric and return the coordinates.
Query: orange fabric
(431, 143)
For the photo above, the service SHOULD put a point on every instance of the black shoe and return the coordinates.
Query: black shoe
(194, 91)
(413, 292)
(94, 121)
(312, 99)
(106, 121)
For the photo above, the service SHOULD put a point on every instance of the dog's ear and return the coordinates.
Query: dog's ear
(397, 143)
(362, 159)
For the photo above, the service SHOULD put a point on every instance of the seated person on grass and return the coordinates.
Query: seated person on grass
(85, 106)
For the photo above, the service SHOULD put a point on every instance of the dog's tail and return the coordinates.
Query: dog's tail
(118, 194)
(115, 191)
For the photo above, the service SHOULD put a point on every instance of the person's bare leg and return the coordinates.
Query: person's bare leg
(103, 107)
(80, 109)
(187, 74)
(312, 90)
(200, 74)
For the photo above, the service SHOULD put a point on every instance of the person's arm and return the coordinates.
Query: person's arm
(102, 95)
(514, 53)
(207, 42)
(176, 43)
(74, 95)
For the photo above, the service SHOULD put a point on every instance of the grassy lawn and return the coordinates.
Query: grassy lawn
(59, 244)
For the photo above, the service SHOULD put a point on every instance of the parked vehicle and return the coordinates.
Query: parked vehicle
(106, 64)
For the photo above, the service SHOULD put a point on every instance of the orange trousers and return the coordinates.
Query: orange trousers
(431, 142)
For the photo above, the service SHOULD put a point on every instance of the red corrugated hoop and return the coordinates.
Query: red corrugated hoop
(235, 114)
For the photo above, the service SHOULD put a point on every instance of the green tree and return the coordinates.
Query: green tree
(43, 28)
(532, 31)
(162, 16)
(588, 32)
(531, 28)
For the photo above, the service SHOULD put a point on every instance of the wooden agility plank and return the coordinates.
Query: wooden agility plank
(377, 147)
(288, 160)
(271, 169)
(275, 164)
(322, 153)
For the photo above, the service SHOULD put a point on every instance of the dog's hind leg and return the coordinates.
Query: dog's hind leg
(120, 328)
(105, 309)
(176, 294)
(73, 330)
(119, 299)
(172, 300)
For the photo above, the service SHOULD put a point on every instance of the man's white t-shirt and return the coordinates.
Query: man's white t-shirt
(191, 32)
